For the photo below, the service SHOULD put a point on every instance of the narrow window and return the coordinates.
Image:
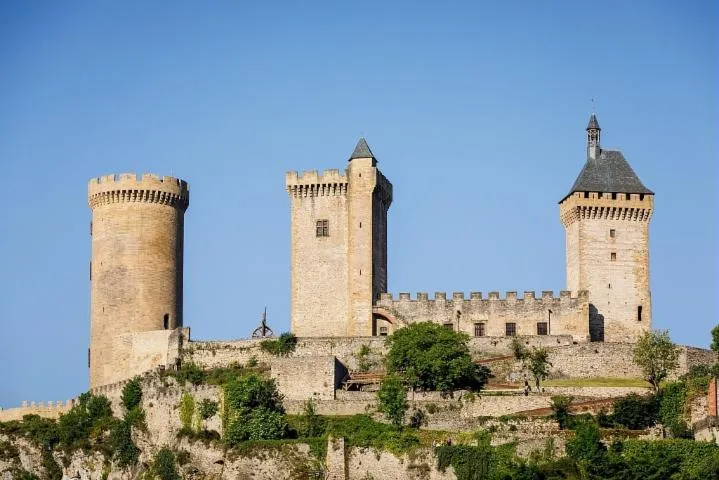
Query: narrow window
(586, 194)
(541, 328)
(479, 329)
(639, 313)
(383, 331)
(323, 228)
(90, 269)
(166, 321)
(88, 358)
(510, 329)
(612, 233)
(613, 256)
(360, 224)
(614, 196)
(629, 196)
(91, 229)
(600, 195)
(609, 286)
(449, 326)
(641, 196)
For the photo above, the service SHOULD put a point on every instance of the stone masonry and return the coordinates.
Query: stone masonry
(136, 268)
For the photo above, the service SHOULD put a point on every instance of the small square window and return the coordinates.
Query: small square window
(614, 196)
(613, 256)
(541, 328)
(612, 233)
(478, 329)
(510, 329)
(323, 228)
(383, 331)
(449, 326)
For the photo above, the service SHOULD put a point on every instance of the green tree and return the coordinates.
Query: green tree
(636, 412)
(430, 357)
(656, 355)
(311, 424)
(254, 410)
(538, 363)
(392, 399)
(715, 339)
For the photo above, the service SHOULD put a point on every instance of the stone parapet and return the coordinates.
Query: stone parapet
(129, 187)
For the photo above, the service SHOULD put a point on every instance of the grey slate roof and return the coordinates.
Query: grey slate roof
(608, 173)
(593, 122)
(362, 150)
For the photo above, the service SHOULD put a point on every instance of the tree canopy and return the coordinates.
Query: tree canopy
(656, 355)
(429, 356)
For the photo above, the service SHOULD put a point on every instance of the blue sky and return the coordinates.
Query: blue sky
(476, 112)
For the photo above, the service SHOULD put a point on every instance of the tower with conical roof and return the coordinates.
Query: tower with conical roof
(338, 246)
(606, 217)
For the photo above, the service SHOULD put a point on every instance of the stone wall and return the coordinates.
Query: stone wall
(311, 377)
(563, 315)
(136, 268)
(50, 409)
(607, 241)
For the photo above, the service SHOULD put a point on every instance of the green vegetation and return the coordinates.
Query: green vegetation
(634, 412)
(365, 362)
(132, 394)
(282, 346)
(310, 424)
(538, 364)
(163, 466)
(656, 355)
(187, 410)
(253, 410)
(715, 339)
(560, 410)
(596, 382)
(430, 357)
(208, 409)
(519, 351)
(392, 399)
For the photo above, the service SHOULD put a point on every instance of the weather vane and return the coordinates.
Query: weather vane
(263, 330)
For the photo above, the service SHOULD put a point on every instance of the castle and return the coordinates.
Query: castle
(339, 264)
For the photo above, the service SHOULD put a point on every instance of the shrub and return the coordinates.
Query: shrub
(189, 372)
(163, 467)
(253, 391)
(672, 406)
(282, 346)
(417, 419)
(586, 444)
(392, 399)
(125, 451)
(560, 409)
(132, 394)
(257, 424)
(87, 419)
(361, 431)
(636, 412)
(431, 357)
(311, 424)
(187, 410)
(518, 349)
(208, 408)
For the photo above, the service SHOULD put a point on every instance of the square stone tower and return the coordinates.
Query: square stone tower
(606, 217)
(338, 246)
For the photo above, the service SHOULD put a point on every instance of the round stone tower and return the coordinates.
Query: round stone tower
(136, 268)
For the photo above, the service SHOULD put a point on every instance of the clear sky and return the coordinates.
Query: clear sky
(476, 112)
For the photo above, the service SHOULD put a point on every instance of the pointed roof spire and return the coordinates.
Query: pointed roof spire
(362, 150)
(593, 123)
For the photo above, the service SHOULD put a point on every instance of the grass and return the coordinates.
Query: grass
(596, 382)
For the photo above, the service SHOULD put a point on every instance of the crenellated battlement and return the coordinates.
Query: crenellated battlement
(51, 409)
(312, 184)
(510, 297)
(637, 207)
(529, 314)
(130, 187)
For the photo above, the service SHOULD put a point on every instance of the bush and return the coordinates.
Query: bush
(87, 419)
(163, 466)
(431, 357)
(636, 412)
(208, 408)
(672, 406)
(361, 431)
(392, 400)
(282, 346)
(519, 351)
(311, 424)
(189, 372)
(417, 419)
(187, 410)
(125, 451)
(560, 409)
(586, 444)
(257, 424)
(252, 391)
(132, 394)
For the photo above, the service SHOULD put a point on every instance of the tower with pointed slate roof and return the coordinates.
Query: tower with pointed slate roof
(606, 217)
(338, 246)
